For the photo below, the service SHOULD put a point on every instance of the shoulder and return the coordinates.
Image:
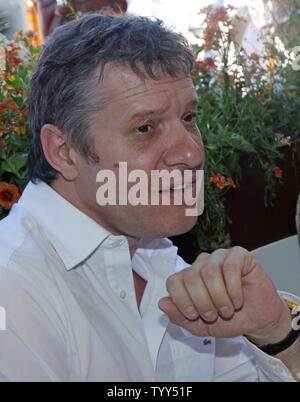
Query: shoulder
(26, 265)
(13, 232)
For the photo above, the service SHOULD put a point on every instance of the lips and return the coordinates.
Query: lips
(179, 187)
(180, 182)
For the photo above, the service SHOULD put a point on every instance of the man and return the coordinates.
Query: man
(53, 13)
(83, 283)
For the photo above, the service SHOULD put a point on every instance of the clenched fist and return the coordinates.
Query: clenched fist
(227, 294)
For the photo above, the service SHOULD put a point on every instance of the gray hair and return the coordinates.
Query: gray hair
(64, 90)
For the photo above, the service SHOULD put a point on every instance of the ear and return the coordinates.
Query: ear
(59, 154)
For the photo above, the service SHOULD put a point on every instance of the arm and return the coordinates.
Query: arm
(51, 16)
(227, 294)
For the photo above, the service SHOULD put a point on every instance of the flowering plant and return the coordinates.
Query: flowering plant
(249, 105)
(17, 58)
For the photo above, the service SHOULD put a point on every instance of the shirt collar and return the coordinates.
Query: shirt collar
(72, 233)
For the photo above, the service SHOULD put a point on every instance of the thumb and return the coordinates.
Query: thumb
(167, 305)
(164, 304)
(196, 327)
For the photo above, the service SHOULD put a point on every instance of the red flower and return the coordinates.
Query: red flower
(220, 14)
(10, 104)
(231, 182)
(206, 66)
(210, 62)
(221, 184)
(9, 195)
(214, 179)
(278, 172)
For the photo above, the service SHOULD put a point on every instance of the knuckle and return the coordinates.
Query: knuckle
(201, 256)
(230, 268)
(219, 251)
(175, 279)
(209, 271)
(189, 276)
(172, 281)
(239, 249)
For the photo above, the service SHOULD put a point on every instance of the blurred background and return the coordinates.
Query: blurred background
(249, 16)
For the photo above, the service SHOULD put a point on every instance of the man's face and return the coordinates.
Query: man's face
(151, 125)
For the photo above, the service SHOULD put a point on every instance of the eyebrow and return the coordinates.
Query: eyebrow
(158, 112)
(147, 113)
(193, 103)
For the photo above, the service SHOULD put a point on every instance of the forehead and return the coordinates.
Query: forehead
(119, 84)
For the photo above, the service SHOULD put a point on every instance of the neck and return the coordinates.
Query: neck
(66, 190)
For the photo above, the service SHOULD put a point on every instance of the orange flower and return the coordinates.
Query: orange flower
(208, 36)
(21, 130)
(231, 182)
(9, 195)
(221, 184)
(278, 172)
(213, 179)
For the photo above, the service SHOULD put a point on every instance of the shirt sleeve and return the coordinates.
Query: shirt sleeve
(269, 367)
(237, 359)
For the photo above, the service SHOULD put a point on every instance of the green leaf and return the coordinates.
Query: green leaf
(14, 163)
(2, 25)
(242, 144)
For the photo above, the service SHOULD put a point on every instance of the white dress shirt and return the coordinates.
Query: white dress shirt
(67, 287)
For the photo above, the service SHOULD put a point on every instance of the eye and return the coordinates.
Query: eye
(191, 117)
(144, 129)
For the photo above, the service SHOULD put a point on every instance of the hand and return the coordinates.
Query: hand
(227, 294)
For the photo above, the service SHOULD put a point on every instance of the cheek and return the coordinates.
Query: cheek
(86, 184)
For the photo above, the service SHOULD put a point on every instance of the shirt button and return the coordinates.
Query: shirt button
(117, 243)
(122, 294)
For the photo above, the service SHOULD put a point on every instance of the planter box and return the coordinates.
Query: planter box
(253, 224)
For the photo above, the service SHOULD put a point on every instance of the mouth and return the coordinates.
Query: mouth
(180, 187)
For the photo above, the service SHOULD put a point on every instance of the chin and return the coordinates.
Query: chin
(178, 227)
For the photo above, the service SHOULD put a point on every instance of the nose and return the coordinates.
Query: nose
(185, 148)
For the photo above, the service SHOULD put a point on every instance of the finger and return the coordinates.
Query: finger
(232, 273)
(199, 295)
(212, 276)
(180, 296)
(196, 327)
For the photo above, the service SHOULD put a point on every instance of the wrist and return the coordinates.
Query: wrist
(279, 338)
(274, 332)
